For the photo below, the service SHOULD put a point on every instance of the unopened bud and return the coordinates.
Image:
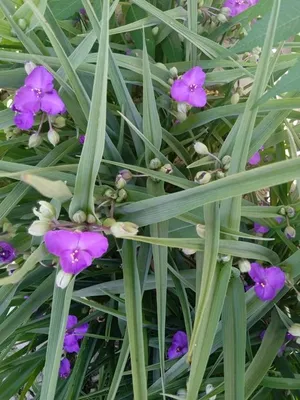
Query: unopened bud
(182, 108)
(108, 222)
(79, 217)
(155, 30)
(46, 211)
(22, 23)
(282, 211)
(200, 148)
(121, 229)
(111, 194)
(200, 229)
(298, 296)
(174, 72)
(180, 116)
(161, 65)
(188, 252)
(34, 140)
(235, 98)
(170, 81)
(226, 11)
(290, 211)
(294, 330)
(290, 232)
(155, 163)
(122, 195)
(226, 160)
(126, 174)
(90, 219)
(209, 388)
(166, 169)
(202, 177)
(53, 137)
(224, 258)
(29, 67)
(120, 182)
(220, 174)
(256, 50)
(244, 265)
(181, 393)
(63, 279)
(60, 122)
(39, 228)
(221, 18)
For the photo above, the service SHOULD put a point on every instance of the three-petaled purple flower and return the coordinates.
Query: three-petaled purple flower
(268, 281)
(65, 368)
(260, 228)
(76, 250)
(188, 88)
(73, 335)
(37, 94)
(7, 253)
(238, 6)
(179, 345)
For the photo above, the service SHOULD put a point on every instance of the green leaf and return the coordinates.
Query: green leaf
(52, 189)
(64, 9)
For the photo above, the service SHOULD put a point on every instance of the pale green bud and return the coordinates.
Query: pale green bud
(290, 211)
(126, 174)
(200, 229)
(22, 24)
(256, 50)
(16, 131)
(202, 177)
(29, 67)
(63, 279)
(226, 11)
(200, 148)
(7, 227)
(181, 393)
(111, 194)
(53, 137)
(166, 169)
(46, 211)
(79, 217)
(162, 66)
(60, 122)
(123, 229)
(244, 265)
(290, 232)
(220, 174)
(235, 98)
(120, 182)
(221, 18)
(155, 31)
(295, 330)
(182, 108)
(90, 219)
(226, 160)
(209, 388)
(39, 228)
(224, 258)
(34, 140)
(180, 116)
(122, 195)
(282, 211)
(155, 163)
(170, 81)
(108, 222)
(174, 72)
(188, 252)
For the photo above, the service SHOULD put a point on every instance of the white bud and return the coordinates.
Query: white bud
(63, 279)
(47, 210)
(209, 388)
(22, 23)
(181, 393)
(298, 341)
(295, 330)
(200, 229)
(60, 121)
(53, 137)
(79, 217)
(174, 72)
(222, 18)
(188, 252)
(155, 30)
(290, 232)
(39, 228)
(200, 148)
(29, 67)
(235, 98)
(244, 265)
(170, 81)
(202, 177)
(182, 108)
(181, 116)
(90, 219)
(34, 140)
(226, 11)
(120, 229)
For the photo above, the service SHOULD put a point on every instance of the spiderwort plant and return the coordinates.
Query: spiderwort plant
(268, 281)
(179, 345)
(74, 334)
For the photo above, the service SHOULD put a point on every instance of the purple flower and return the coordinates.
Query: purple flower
(81, 139)
(65, 368)
(188, 88)
(73, 335)
(268, 281)
(260, 228)
(82, 11)
(255, 159)
(279, 220)
(238, 6)
(76, 250)
(247, 287)
(7, 253)
(37, 94)
(179, 345)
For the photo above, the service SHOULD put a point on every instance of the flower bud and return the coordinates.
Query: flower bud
(39, 228)
(22, 23)
(120, 229)
(120, 182)
(244, 265)
(79, 217)
(126, 174)
(221, 18)
(63, 279)
(60, 121)
(181, 393)
(34, 140)
(188, 252)
(202, 177)
(122, 195)
(209, 388)
(220, 174)
(174, 72)
(290, 232)
(294, 330)
(224, 258)
(53, 137)
(161, 65)
(170, 81)
(200, 148)
(180, 117)
(182, 108)
(16, 131)
(282, 211)
(298, 296)
(111, 194)
(290, 211)
(108, 222)
(226, 160)
(166, 169)
(90, 219)
(155, 31)
(200, 229)
(298, 341)
(29, 67)
(155, 163)
(46, 210)
(235, 98)
(226, 11)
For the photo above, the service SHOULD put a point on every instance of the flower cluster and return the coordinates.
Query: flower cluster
(71, 343)
(76, 250)
(179, 345)
(37, 94)
(188, 88)
(238, 6)
(268, 281)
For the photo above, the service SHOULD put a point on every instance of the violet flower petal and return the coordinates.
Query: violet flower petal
(260, 228)
(180, 338)
(24, 120)
(73, 263)
(26, 100)
(180, 91)
(179, 345)
(7, 252)
(94, 243)
(265, 292)
(275, 277)
(40, 79)
(257, 272)
(255, 159)
(81, 330)
(59, 241)
(197, 98)
(71, 343)
(65, 368)
(71, 321)
(51, 103)
(195, 76)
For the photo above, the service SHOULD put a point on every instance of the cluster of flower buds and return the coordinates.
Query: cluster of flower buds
(122, 178)
(224, 14)
(46, 213)
(156, 165)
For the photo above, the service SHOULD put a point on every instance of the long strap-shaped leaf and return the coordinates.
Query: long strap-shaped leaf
(93, 147)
